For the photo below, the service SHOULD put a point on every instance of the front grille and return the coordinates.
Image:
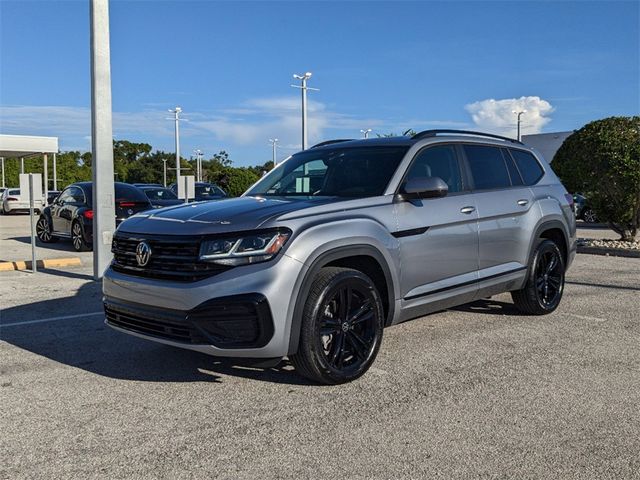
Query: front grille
(173, 257)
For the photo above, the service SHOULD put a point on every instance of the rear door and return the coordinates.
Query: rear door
(439, 236)
(504, 211)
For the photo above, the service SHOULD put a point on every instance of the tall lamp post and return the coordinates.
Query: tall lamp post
(303, 87)
(274, 145)
(366, 132)
(176, 118)
(519, 114)
(198, 153)
(164, 172)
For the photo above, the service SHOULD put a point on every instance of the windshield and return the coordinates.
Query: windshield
(204, 191)
(160, 194)
(340, 172)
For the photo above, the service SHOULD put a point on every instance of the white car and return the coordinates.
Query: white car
(11, 202)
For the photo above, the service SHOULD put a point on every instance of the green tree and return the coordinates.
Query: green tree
(602, 161)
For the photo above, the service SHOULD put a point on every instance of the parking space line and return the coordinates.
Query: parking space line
(52, 319)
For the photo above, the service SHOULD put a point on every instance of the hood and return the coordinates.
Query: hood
(231, 215)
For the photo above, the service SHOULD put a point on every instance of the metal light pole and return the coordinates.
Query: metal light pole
(2, 160)
(303, 87)
(176, 118)
(274, 145)
(365, 132)
(104, 215)
(21, 165)
(519, 114)
(164, 172)
(55, 177)
(198, 153)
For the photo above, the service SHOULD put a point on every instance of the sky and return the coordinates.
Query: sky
(388, 66)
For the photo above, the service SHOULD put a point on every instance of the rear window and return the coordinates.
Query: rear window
(529, 167)
(160, 194)
(208, 191)
(129, 192)
(488, 167)
(15, 191)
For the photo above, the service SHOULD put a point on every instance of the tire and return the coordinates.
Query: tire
(545, 281)
(342, 324)
(589, 216)
(43, 230)
(77, 238)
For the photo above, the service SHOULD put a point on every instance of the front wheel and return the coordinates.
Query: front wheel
(589, 216)
(43, 230)
(77, 238)
(545, 281)
(342, 326)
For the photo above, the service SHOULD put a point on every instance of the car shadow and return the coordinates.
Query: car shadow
(82, 340)
(489, 306)
(63, 245)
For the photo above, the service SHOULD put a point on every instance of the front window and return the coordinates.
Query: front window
(340, 172)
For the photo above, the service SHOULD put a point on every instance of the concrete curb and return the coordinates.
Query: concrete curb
(50, 263)
(613, 252)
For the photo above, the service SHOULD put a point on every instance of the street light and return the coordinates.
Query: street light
(304, 88)
(274, 142)
(365, 132)
(519, 114)
(198, 153)
(164, 172)
(176, 118)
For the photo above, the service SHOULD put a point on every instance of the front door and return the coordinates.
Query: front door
(439, 236)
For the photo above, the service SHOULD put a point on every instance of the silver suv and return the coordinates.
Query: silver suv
(340, 241)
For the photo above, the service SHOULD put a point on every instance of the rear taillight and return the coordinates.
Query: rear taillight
(88, 214)
(12, 199)
(569, 199)
(127, 204)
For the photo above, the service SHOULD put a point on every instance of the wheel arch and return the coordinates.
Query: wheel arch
(553, 230)
(364, 258)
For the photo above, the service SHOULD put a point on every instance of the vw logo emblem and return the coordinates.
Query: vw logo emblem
(143, 253)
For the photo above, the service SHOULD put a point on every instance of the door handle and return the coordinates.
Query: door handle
(467, 210)
(523, 203)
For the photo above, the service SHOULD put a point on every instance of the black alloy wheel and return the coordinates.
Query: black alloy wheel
(589, 216)
(77, 238)
(342, 327)
(43, 231)
(545, 281)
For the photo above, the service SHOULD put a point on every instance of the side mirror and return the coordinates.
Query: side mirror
(424, 187)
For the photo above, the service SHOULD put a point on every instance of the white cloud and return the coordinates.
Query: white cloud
(497, 115)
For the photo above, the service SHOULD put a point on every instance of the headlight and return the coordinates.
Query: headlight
(243, 249)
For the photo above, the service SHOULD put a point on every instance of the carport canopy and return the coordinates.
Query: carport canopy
(21, 146)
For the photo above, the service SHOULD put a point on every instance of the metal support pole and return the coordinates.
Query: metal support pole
(45, 177)
(2, 159)
(101, 139)
(304, 113)
(55, 174)
(34, 266)
(164, 172)
(21, 165)
(186, 189)
(176, 118)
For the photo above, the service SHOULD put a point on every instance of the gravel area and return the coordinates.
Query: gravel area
(607, 243)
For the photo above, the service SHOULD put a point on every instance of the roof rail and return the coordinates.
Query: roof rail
(433, 133)
(329, 142)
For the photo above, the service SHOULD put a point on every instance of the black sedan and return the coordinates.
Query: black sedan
(71, 213)
(160, 196)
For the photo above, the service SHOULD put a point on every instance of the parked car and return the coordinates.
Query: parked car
(341, 240)
(160, 196)
(204, 192)
(12, 202)
(71, 213)
(147, 185)
(583, 210)
(51, 196)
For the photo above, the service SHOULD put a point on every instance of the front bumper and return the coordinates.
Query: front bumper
(183, 314)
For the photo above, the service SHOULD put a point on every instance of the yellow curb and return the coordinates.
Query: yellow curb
(50, 263)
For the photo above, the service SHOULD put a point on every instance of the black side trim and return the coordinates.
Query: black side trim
(410, 232)
(464, 284)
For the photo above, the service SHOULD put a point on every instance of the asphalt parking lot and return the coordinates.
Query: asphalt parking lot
(478, 391)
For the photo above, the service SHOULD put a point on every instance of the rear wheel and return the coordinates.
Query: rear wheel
(43, 230)
(545, 281)
(589, 216)
(77, 238)
(342, 327)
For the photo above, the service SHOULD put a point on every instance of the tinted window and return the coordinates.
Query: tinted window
(440, 161)
(208, 191)
(339, 172)
(129, 192)
(488, 167)
(15, 191)
(528, 165)
(71, 195)
(160, 194)
(516, 179)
